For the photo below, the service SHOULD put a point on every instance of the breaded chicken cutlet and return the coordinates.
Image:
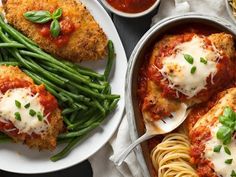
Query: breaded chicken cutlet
(81, 38)
(171, 78)
(28, 113)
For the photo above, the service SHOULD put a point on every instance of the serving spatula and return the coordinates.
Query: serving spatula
(159, 127)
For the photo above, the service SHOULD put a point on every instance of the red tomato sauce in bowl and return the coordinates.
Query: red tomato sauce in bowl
(131, 6)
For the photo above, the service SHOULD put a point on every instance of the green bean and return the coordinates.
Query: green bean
(71, 145)
(78, 133)
(113, 105)
(73, 116)
(9, 63)
(68, 111)
(4, 54)
(96, 119)
(111, 56)
(79, 70)
(82, 121)
(51, 85)
(103, 111)
(11, 45)
(67, 121)
(38, 56)
(36, 67)
(76, 77)
(94, 94)
(5, 25)
(67, 149)
(63, 141)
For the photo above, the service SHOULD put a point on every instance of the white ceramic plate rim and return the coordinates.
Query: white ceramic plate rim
(19, 159)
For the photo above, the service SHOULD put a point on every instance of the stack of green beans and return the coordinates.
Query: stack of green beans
(83, 94)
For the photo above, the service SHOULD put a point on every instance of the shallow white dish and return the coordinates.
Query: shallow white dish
(20, 159)
(130, 15)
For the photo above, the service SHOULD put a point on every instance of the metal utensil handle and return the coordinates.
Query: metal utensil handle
(119, 158)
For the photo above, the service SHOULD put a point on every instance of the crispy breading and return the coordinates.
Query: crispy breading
(87, 42)
(46, 140)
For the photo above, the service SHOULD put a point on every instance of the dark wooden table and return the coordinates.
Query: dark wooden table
(130, 31)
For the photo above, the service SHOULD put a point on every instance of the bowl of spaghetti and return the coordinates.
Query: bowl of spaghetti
(185, 59)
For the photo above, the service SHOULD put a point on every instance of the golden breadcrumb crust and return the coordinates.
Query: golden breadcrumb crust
(48, 140)
(87, 42)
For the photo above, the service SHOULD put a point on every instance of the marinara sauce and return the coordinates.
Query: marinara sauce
(67, 28)
(46, 100)
(131, 6)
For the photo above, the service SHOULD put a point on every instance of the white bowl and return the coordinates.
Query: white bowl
(230, 11)
(130, 15)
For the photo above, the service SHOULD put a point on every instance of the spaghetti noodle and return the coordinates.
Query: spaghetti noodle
(171, 157)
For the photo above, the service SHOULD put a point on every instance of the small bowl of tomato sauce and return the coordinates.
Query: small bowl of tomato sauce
(131, 8)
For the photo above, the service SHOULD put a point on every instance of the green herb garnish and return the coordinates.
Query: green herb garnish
(40, 16)
(55, 28)
(17, 116)
(27, 105)
(32, 112)
(193, 69)
(228, 121)
(18, 104)
(40, 116)
(188, 58)
(227, 151)
(202, 60)
(44, 17)
(228, 161)
(217, 148)
(224, 134)
(233, 173)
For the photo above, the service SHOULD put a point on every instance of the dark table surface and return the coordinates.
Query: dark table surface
(130, 31)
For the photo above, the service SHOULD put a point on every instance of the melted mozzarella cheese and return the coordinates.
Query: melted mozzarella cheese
(178, 71)
(218, 159)
(28, 124)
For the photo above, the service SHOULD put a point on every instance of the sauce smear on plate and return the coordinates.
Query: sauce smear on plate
(131, 6)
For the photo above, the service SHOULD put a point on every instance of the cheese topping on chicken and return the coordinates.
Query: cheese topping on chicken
(27, 115)
(180, 73)
(218, 158)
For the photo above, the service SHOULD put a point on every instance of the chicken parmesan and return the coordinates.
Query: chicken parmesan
(80, 38)
(28, 113)
(184, 68)
(213, 137)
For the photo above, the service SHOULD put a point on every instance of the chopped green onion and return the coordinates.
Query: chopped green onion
(228, 112)
(17, 116)
(227, 151)
(32, 112)
(233, 173)
(40, 116)
(188, 58)
(202, 60)
(18, 104)
(193, 69)
(217, 148)
(224, 133)
(228, 161)
(27, 105)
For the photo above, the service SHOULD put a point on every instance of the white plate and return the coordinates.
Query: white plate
(19, 159)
